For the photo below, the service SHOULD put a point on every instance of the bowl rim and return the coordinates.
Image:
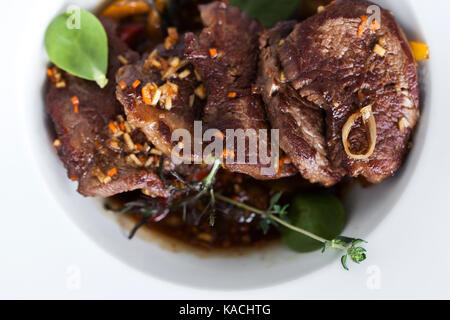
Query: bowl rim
(31, 148)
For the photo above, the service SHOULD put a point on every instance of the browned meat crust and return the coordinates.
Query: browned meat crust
(158, 122)
(226, 56)
(302, 127)
(334, 68)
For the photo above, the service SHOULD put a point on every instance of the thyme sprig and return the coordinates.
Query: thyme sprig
(200, 189)
(276, 214)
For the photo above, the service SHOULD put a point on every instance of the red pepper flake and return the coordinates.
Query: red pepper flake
(136, 84)
(213, 52)
(112, 127)
(226, 243)
(375, 25)
(122, 126)
(228, 154)
(142, 159)
(199, 176)
(51, 75)
(112, 172)
(122, 85)
(232, 95)
(139, 146)
(73, 178)
(164, 64)
(76, 103)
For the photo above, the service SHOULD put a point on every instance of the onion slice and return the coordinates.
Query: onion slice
(371, 126)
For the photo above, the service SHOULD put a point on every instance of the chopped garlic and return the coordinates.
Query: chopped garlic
(379, 50)
(186, 73)
(200, 91)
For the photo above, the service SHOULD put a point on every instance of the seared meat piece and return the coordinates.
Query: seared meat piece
(226, 56)
(338, 62)
(171, 103)
(88, 148)
(302, 127)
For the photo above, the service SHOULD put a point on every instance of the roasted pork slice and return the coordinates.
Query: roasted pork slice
(301, 127)
(96, 145)
(361, 71)
(160, 94)
(226, 56)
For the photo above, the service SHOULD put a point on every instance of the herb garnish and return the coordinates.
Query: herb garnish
(277, 216)
(76, 42)
(323, 212)
(268, 12)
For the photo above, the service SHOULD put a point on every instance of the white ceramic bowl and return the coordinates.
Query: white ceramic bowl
(274, 265)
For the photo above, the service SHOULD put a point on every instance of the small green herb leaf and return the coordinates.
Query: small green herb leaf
(344, 262)
(321, 214)
(264, 226)
(274, 200)
(357, 254)
(358, 241)
(343, 240)
(77, 43)
(268, 12)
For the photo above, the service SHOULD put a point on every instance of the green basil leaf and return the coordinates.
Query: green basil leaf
(77, 43)
(268, 12)
(321, 214)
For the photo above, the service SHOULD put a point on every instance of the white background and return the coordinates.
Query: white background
(42, 252)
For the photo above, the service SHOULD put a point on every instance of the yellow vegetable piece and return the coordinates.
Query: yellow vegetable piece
(420, 50)
(124, 8)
